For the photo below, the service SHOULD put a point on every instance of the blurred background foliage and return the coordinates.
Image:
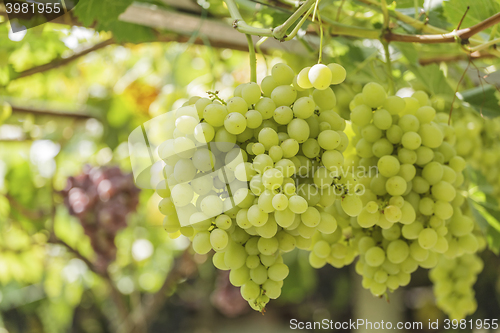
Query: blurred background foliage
(79, 85)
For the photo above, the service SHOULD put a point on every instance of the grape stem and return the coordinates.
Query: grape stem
(320, 57)
(388, 64)
(259, 50)
(299, 25)
(253, 59)
(280, 31)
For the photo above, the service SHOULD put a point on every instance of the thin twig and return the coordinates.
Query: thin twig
(456, 90)
(463, 17)
(62, 62)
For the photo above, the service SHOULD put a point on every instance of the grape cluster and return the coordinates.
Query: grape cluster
(250, 178)
(479, 142)
(101, 198)
(453, 280)
(411, 213)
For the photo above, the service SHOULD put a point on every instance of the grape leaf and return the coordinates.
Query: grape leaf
(484, 208)
(479, 10)
(433, 78)
(483, 100)
(105, 14)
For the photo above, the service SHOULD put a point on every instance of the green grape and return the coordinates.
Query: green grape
(433, 172)
(268, 137)
(374, 95)
(432, 136)
(328, 224)
(253, 119)
(388, 166)
(286, 241)
(212, 205)
(278, 272)
(329, 139)
(311, 148)
(266, 107)
(257, 216)
(262, 162)
(268, 246)
(237, 104)
(268, 259)
(374, 256)
(398, 251)
(265, 201)
(394, 104)
(218, 261)
(392, 213)
(272, 178)
(258, 149)
(201, 242)
(284, 95)
(219, 239)
(235, 255)
(186, 124)
(338, 73)
(443, 191)
(283, 115)
(280, 202)
(182, 194)
(427, 238)
(250, 291)
(411, 140)
(251, 93)
(238, 277)
(425, 114)
(324, 99)
(315, 261)
(286, 167)
(394, 134)
(252, 261)
(297, 204)
(409, 123)
(361, 115)
(224, 141)
(285, 218)
(382, 119)
(223, 222)
(214, 114)
(259, 274)
(366, 219)
(282, 74)
(322, 249)
(276, 153)
(290, 148)
(352, 205)
(166, 206)
(303, 78)
(303, 107)
(333, 160)
(311, 217)
(272, 289)
(396, 185)
(298, 129)
(184, 147)
(268, 84)
(320, 76)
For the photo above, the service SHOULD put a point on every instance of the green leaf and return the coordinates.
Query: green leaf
(479, 10)
(105, 14)
(484, 208)
(483, 100)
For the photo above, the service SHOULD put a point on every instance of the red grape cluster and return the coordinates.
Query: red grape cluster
(102, 198)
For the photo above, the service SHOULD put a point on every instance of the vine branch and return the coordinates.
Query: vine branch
(63, 61)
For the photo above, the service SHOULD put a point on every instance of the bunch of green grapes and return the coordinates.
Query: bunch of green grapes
(411, 209)
(250, 178)
(478, 141)
(453, 281)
